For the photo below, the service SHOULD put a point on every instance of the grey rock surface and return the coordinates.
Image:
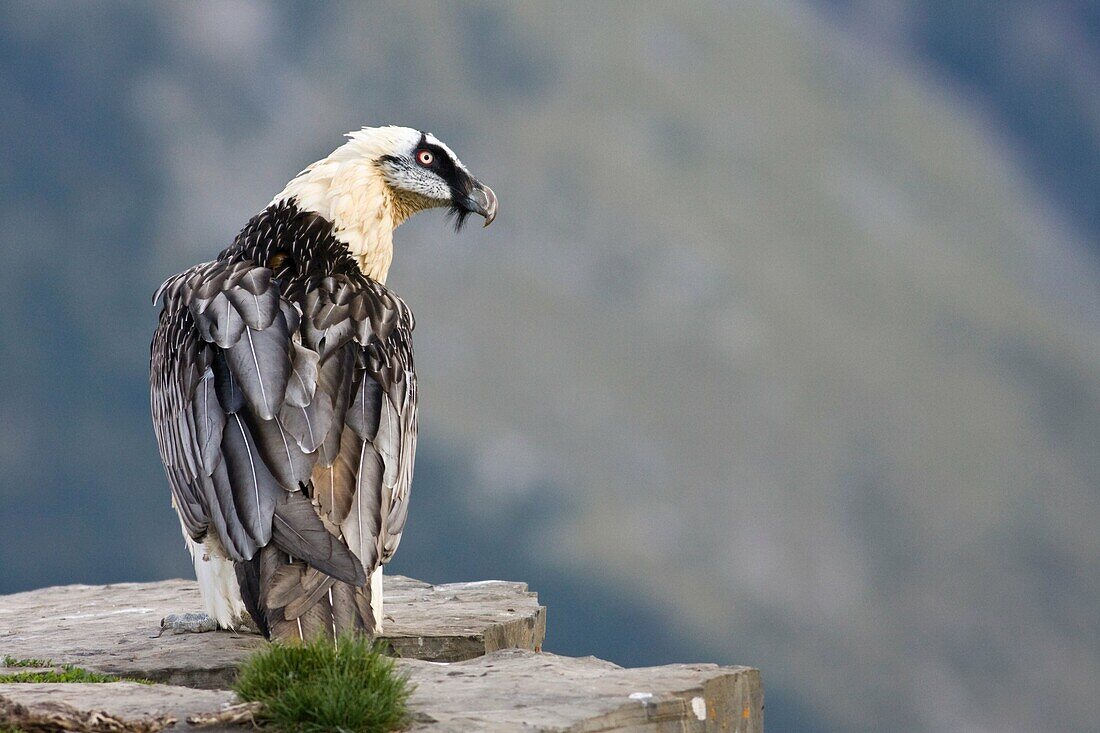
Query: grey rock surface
(115, 629)
(458, 644)
(515, 689)
(506, 690)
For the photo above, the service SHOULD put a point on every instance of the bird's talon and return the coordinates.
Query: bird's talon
(187, 623)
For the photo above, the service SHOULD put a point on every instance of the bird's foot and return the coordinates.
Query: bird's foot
(187, 623)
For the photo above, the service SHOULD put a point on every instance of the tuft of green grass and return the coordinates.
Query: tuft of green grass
(65, 674)
(10, 661)
(319, 686)
(59, 673)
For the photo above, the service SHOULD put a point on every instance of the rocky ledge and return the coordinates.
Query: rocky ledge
(115, 629)
(470, 648)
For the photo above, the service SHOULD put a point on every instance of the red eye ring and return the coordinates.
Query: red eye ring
(424, 157)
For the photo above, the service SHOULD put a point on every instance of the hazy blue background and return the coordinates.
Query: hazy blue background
(783, 350)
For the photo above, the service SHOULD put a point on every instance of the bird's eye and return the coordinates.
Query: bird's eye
(425, 157)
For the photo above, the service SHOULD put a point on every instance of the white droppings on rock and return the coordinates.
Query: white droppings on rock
(641, 695)
(699, 707)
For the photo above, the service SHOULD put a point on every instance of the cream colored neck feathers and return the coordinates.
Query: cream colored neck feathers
(347, 189)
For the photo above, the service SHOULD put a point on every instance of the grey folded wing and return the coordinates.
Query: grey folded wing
(362, 334)
(284, 424)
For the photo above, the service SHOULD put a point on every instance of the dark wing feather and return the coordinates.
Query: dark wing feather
(260, 363)
(299, 532)
(236, 539)
(334, 380)
(254, 489)
(209, 422)
(228, 391)
(284, 457)
(303, 376)
(334, 485)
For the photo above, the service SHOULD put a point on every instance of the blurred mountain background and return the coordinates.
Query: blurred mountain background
(783, 350)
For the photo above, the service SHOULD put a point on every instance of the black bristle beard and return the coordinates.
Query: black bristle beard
(459, 214)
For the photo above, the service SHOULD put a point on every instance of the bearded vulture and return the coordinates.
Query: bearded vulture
(283, 392)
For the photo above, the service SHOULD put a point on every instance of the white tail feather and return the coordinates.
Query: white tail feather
(221, 595)
(376, 598)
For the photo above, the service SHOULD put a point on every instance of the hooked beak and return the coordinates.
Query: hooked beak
(481, 200)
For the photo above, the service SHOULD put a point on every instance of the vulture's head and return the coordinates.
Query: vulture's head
(423, 173)
(379, 178)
